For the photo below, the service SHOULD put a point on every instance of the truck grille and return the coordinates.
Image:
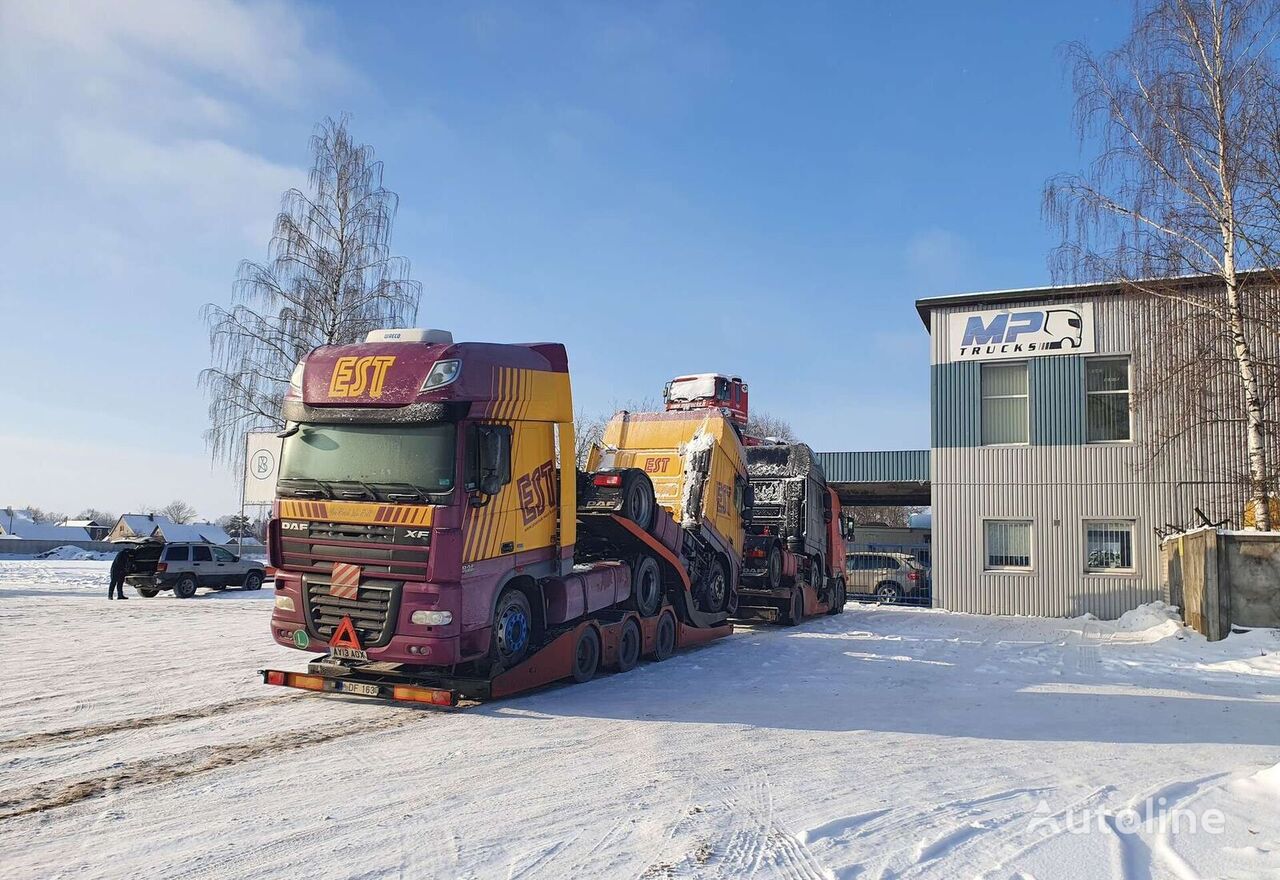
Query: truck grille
(373, 611)
(394, 551)
(766, 512)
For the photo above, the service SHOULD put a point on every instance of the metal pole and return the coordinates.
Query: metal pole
(244, 470)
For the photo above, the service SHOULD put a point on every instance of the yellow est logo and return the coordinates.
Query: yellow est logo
(353, 376)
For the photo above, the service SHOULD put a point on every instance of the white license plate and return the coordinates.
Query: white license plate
(355, 687)
(338, 653)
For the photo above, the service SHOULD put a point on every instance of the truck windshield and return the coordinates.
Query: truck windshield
(383, 460)
(694, 388)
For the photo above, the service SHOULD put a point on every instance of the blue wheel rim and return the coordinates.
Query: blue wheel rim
(515, 630)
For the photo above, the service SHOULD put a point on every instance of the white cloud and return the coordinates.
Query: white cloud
(136, 173)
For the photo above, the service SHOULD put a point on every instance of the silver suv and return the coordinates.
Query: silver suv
(890, 577)
(184, 567)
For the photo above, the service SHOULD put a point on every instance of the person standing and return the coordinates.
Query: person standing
(119, 570)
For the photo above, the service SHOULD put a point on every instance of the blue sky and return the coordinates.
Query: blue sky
(664, 187)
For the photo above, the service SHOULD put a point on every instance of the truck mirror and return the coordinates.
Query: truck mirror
(493, 458)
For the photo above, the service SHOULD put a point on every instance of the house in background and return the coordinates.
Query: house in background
(20, 523)
(97, 531)
(155, 526)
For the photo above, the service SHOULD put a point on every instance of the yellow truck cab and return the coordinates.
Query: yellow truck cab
(696, 463)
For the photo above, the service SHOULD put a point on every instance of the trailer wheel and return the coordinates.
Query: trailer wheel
(512, 627)
(646, 585)
(714, 595)
(773, 567)
(586, 655)
(148, 592)
(841, 594)
(794, 613)
(185, 588)
(629, 645)
(637, 499)
(666, 638)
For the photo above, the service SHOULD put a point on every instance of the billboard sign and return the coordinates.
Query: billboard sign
(1022, 332)
(261, 467)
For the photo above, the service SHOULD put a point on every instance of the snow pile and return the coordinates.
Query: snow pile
(1153, 622)
(68, 553)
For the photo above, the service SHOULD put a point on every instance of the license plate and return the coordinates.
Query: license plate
(355, 687)
(339, 653)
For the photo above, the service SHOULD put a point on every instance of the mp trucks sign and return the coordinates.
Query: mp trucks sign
(1020, 332)
(261, 467)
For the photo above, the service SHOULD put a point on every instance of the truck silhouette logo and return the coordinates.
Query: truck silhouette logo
(1030, 331)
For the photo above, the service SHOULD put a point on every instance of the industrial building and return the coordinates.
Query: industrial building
(1049, 483)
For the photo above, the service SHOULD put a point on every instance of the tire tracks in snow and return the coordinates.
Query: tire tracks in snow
(42, 796)
(90, 731)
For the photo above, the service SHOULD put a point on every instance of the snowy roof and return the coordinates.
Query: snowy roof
(80, 523)
(143, 524)
(25, 528)
(207, 532)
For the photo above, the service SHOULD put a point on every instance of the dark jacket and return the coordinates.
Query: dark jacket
(121, 564)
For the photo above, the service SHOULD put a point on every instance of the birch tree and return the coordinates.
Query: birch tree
(1184, 116)
(329, 279)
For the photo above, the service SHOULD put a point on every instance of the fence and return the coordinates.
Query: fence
(1222, 579)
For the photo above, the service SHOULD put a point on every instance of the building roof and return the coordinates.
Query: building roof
(81, 523)
(144, 525)
(206, 532)
(21, 525)
(926, 305)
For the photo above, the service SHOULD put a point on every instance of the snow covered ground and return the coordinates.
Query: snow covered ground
(136, 740)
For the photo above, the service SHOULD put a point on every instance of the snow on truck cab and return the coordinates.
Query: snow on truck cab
(426, 535)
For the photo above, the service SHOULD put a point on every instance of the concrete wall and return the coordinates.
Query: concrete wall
(1221, 579)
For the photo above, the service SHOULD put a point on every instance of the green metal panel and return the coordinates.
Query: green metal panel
(1057, 400)
(903, 466)
(956, 398)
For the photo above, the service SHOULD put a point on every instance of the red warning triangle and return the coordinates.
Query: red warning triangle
(345, 635)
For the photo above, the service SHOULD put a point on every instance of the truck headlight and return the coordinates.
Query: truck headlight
(442, 374)
(284, 603)
(431, 618)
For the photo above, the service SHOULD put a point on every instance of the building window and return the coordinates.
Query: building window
(1008, 543)
(1004, 404)
(1107, 399)
(1108, 545)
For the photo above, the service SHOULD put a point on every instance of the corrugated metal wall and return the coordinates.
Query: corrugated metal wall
(907, 465)
(1058, 483)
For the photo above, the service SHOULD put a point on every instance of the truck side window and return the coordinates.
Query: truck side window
(201, 554)
(488, 455)
(175, 554)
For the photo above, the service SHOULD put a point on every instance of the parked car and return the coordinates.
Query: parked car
(890, 577)
(183, 567)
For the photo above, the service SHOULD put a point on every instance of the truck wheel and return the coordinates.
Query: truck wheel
(889, 592)
(646, 586)
(252, 581)
(838, 605)
(586, 655)
(148, 592)
(773, 567)
(185, 588)
(714, 595)
(637, 499)
(629, 645)
(795, 608)
(666, 640)
(512, 627)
